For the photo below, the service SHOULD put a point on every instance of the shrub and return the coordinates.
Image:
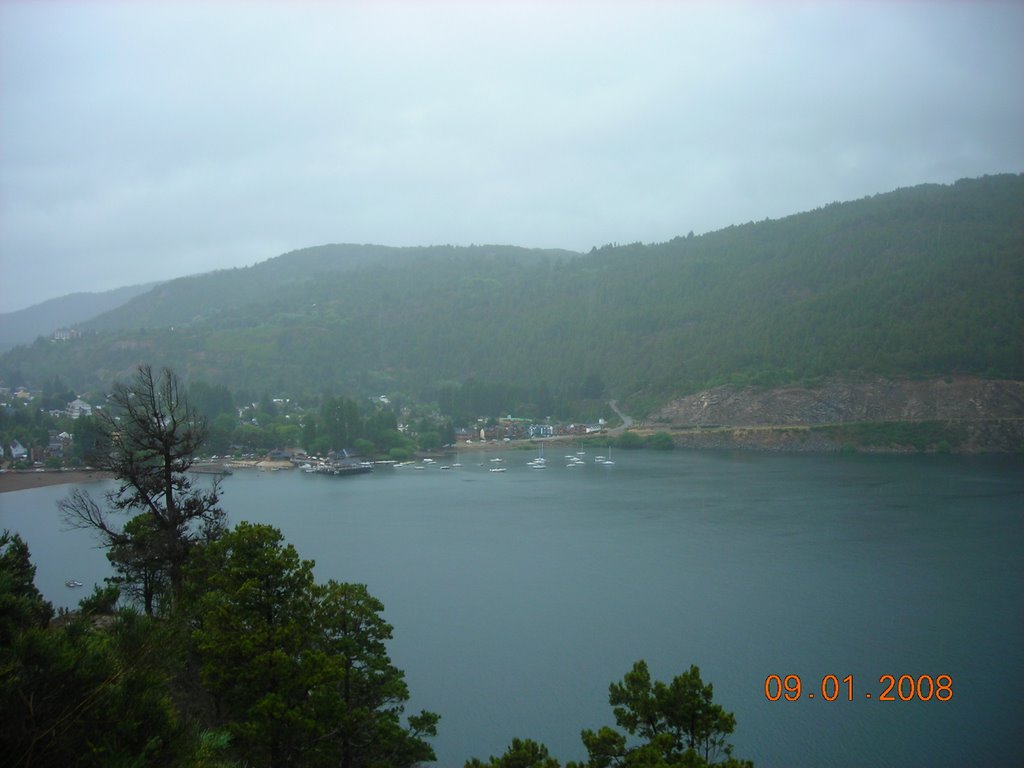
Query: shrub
(661, 441)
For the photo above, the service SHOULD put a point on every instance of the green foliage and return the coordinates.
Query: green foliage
(209, 749)
(938, 436)
(299, 672)
(815, 294)
(675, 718)
(660, 441)
(678, 723)
(360, 695)
(102, 601)
(79, 694)
(340, 422)
(629, 441)
(592, 388)
(253, 611)
(475, 398)
(522, 753)
(210, 400)
(140, 562)
(21, 604)
(429, 441)
(56, 395)
(220, 433)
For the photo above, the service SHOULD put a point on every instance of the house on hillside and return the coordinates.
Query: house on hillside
(65, 334)
(78, 407)
(57, 444)
(18, 451)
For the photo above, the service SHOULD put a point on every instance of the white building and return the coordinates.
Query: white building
(78, 407)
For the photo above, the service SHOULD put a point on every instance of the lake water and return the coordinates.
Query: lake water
(517, 597)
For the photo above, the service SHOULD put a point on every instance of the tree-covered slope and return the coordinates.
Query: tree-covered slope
(922, 281)
(24, 325)
(212, 295)
(925, 280)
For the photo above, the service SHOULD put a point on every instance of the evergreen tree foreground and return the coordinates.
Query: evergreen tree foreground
(237, 658)
(678, 722)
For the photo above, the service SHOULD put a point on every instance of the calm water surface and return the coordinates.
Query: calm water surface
(518, 597)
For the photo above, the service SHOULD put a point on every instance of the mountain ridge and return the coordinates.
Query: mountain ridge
(921, 281)
(191, 297)
(22, 326)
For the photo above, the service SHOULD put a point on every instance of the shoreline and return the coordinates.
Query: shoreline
(27, 479)
(13, 480)
(994, 436)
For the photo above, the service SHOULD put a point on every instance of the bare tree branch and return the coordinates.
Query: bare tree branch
(149, 437)
(80, 511)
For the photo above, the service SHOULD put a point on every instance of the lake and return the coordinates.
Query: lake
(517, 597)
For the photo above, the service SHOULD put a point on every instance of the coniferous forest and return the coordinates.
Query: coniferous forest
(924, 281)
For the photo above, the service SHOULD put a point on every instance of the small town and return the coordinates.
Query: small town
(269, 436)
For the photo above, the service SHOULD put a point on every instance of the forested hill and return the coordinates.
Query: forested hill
(924, 281)
(24, 325)
(189, 300)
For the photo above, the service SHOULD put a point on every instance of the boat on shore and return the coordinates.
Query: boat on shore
(210, 468)
(342, 468)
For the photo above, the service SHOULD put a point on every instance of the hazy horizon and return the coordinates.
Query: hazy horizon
(144, 143)
(153, 283)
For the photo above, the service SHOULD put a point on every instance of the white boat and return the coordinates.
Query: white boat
(498, 469)
(540, 462)
(72, 583)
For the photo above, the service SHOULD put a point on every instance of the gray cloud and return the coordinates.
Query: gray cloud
(146, 142)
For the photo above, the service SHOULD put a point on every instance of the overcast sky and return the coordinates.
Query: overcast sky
(148, 141)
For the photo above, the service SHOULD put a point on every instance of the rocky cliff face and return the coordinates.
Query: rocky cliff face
(844, 401)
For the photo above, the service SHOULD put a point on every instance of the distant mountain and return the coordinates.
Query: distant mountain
(926, 281)
(23, 326)
(206, 297)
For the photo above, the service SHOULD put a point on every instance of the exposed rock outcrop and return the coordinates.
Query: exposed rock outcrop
(961, 415)
(840, 401)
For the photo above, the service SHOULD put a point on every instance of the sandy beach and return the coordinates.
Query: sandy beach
(22, 480)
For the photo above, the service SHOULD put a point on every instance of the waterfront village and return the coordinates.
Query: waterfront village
(40, 435)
